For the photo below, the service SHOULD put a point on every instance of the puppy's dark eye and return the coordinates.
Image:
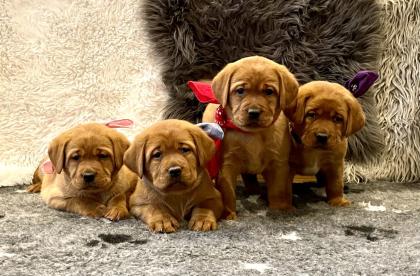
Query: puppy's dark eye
(103, 156)
(240, 91)
(75, 157)
(338, 119)
(156, 155)
(310, 115)
(269, 91)
(185, 150)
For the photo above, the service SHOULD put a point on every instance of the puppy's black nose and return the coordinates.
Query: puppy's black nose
(174, 171)
(254, 113)
(321, 138)
(88, 177)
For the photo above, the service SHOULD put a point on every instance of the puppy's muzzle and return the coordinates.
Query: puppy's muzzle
(254, 114)
(175, 171)
(321, 138)
(89, 177)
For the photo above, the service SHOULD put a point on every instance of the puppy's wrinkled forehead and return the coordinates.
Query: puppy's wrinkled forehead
(255, 74)
(89, 141)
(170, 138)
(327, 104)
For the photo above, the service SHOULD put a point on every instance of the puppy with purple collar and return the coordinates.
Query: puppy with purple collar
(326, 114)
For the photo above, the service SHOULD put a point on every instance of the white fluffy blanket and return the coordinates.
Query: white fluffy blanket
(67, 62)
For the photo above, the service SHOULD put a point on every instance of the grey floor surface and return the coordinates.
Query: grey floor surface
(377, 235)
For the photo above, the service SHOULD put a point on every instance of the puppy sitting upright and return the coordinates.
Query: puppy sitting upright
(170, 159)
(326, 114)
(87, 177)
(252, 93)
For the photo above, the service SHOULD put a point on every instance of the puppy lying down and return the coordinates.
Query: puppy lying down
(326, 114)
(170, 158)
(87, 175)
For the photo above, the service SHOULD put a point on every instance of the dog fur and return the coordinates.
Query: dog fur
(89, 177)
(262, 146)
(326, 114)
(170, 158)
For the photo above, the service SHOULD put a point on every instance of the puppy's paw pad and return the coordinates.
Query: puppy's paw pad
(202, 224)
(339, 201)
(116, 213)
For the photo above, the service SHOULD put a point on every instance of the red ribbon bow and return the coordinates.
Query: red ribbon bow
(204, 94)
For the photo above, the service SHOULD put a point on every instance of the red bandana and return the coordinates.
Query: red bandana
(222, 120)
(204, 94)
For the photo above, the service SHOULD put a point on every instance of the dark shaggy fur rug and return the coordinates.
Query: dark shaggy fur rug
(316, 39)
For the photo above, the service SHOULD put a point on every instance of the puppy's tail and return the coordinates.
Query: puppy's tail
(35, 186)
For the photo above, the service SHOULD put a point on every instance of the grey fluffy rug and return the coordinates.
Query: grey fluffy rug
(377, 235)
(329, 40)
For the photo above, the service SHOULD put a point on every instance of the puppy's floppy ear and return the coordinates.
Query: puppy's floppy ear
(355, 116)
(135, 156)
(298, 114)
(204, 145)
(221, 84)
(119, 145)
(57, 151)
(288, 90)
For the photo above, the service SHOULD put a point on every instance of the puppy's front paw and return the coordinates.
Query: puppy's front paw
(97, 211)
(116, 213)
(339, 201)
(229, 215)
(199, 223)
(166, 224)
(34, 188)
